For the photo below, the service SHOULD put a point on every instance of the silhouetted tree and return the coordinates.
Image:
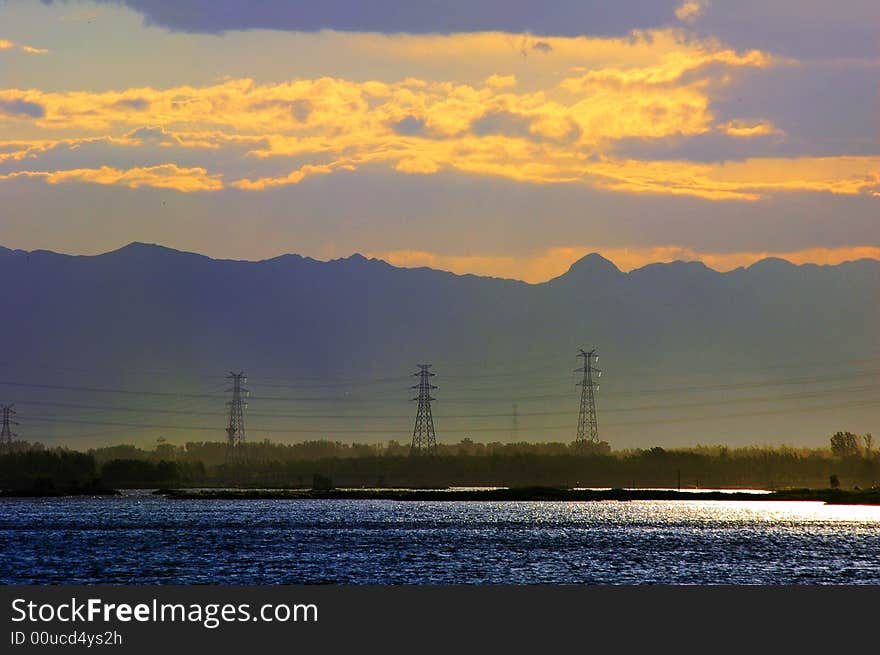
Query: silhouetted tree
(845, 444)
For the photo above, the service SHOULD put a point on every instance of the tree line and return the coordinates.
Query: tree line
(849, 461)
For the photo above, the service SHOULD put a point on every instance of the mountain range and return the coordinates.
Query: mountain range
(103, 347)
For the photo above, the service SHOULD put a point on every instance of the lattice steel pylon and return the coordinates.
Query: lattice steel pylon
(424, 440)
(6, 433)
(588, 425)
(235, 435)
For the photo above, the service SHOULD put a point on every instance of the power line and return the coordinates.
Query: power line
(634, 392)
(707, 417)
(344, 416)
(303, 380)
(805, 380)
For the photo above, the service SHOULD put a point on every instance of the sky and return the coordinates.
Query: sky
(504, 138)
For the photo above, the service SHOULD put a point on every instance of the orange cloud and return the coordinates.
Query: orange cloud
(417, 165)
(652, 85)
(747, 130)
(163, 176)
(744, 180)
(593, 108)
(689, 10)
(501, 81)
(6, 44)
(295, 177)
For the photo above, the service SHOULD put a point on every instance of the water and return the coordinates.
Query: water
(139, 538)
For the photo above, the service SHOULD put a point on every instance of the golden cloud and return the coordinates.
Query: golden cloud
(295, 177)
(747, 130)
(6, 44)
(164, 176)
(744, 180)
(418, 165)
(501, 81)
(648, 86)
(689, 10)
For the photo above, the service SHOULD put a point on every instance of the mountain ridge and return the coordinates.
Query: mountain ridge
(84, 329)
(591, 264)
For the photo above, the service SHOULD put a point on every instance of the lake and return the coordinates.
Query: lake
(144, 539)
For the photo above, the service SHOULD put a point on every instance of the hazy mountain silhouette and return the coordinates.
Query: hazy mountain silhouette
(119, 317)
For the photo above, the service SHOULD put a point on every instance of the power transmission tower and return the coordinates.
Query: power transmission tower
(588, 426)
(424, 441)
(6, 433)
(235, 431)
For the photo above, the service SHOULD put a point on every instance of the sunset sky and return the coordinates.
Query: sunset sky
(495, 137)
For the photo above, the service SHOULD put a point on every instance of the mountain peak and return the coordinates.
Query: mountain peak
(139, 248)
(359, 260)
(771, 264)
(592, 265)
(135, 246)
(589, 268)
(679, 267)
(149, 254)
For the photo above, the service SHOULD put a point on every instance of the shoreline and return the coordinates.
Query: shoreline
(515, 494)
(829, 496)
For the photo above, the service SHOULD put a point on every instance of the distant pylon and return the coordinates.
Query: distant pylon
(424, 441)
(588, 426)
(6, 433)
(235, 430)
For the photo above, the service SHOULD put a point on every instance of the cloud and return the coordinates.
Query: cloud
(21, 107)
(295, 177)
(746, 129)
(826, 108)
(750, 179)
(501, 81)
(805, 29)
(566, 17)
(747, 141)
(301, 110)
(542, 46)
(409, 126)
(138, 104)
(152, 134)
(652, 88)
(6, 44)
(164, 176)
(547, 264)
(689, 10)
(417, 165)
(503, 122)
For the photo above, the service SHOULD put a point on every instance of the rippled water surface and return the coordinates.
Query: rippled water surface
(139, 538)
